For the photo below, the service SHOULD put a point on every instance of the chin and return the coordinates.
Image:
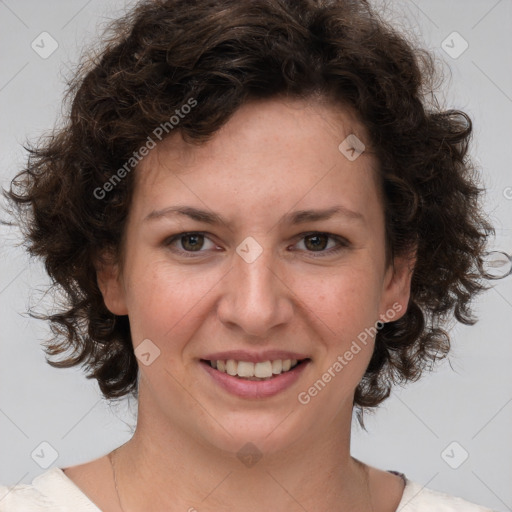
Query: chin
(256, 433)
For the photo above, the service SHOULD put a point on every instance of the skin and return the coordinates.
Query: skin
(271, 158)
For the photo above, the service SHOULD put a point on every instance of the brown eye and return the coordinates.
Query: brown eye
(324, 244)
(316, 242)
(192, 242)
(189, 243)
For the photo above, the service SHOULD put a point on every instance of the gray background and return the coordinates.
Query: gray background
(462, 409)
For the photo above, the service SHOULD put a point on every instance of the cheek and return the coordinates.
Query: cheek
(344, 311)
(163, 302)
(346, 302)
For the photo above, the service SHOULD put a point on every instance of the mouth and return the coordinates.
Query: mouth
(254, 375)
(250, 371)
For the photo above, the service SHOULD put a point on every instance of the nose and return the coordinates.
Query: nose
(256, 299)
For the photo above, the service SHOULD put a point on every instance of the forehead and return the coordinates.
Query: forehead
(270, 148)
(276, 120)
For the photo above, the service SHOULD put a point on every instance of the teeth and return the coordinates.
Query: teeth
(254, 371)
(277, 367)
(231, 367)
(262, 370)
(245, 369)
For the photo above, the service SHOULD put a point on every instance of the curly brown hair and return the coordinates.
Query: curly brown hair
(224, 53)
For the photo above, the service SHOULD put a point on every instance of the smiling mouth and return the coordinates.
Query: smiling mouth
(246, 370)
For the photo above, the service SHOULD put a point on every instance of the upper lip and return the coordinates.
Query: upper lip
(254, 357)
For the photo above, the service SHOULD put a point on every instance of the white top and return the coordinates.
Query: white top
(54, 491)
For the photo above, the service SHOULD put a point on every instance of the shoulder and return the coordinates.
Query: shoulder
(50, 491)
(417, 498)
(18, 498)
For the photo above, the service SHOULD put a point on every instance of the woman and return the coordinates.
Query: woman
(259, 224)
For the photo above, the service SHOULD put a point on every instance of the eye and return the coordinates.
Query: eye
(190, 243)
(319, 242)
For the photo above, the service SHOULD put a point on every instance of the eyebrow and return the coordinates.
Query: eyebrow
(293, 218)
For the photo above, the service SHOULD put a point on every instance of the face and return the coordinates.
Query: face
(287, 261)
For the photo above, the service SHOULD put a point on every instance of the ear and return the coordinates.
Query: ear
(111, 284)
(397, 286)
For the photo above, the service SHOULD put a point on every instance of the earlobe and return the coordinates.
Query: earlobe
(110, 283)
(398, 286)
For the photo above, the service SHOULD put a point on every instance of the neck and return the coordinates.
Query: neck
(165, 468)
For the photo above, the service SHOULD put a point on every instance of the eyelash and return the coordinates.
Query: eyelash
(342, 243)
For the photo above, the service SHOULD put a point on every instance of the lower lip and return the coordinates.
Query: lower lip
(254, 388)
